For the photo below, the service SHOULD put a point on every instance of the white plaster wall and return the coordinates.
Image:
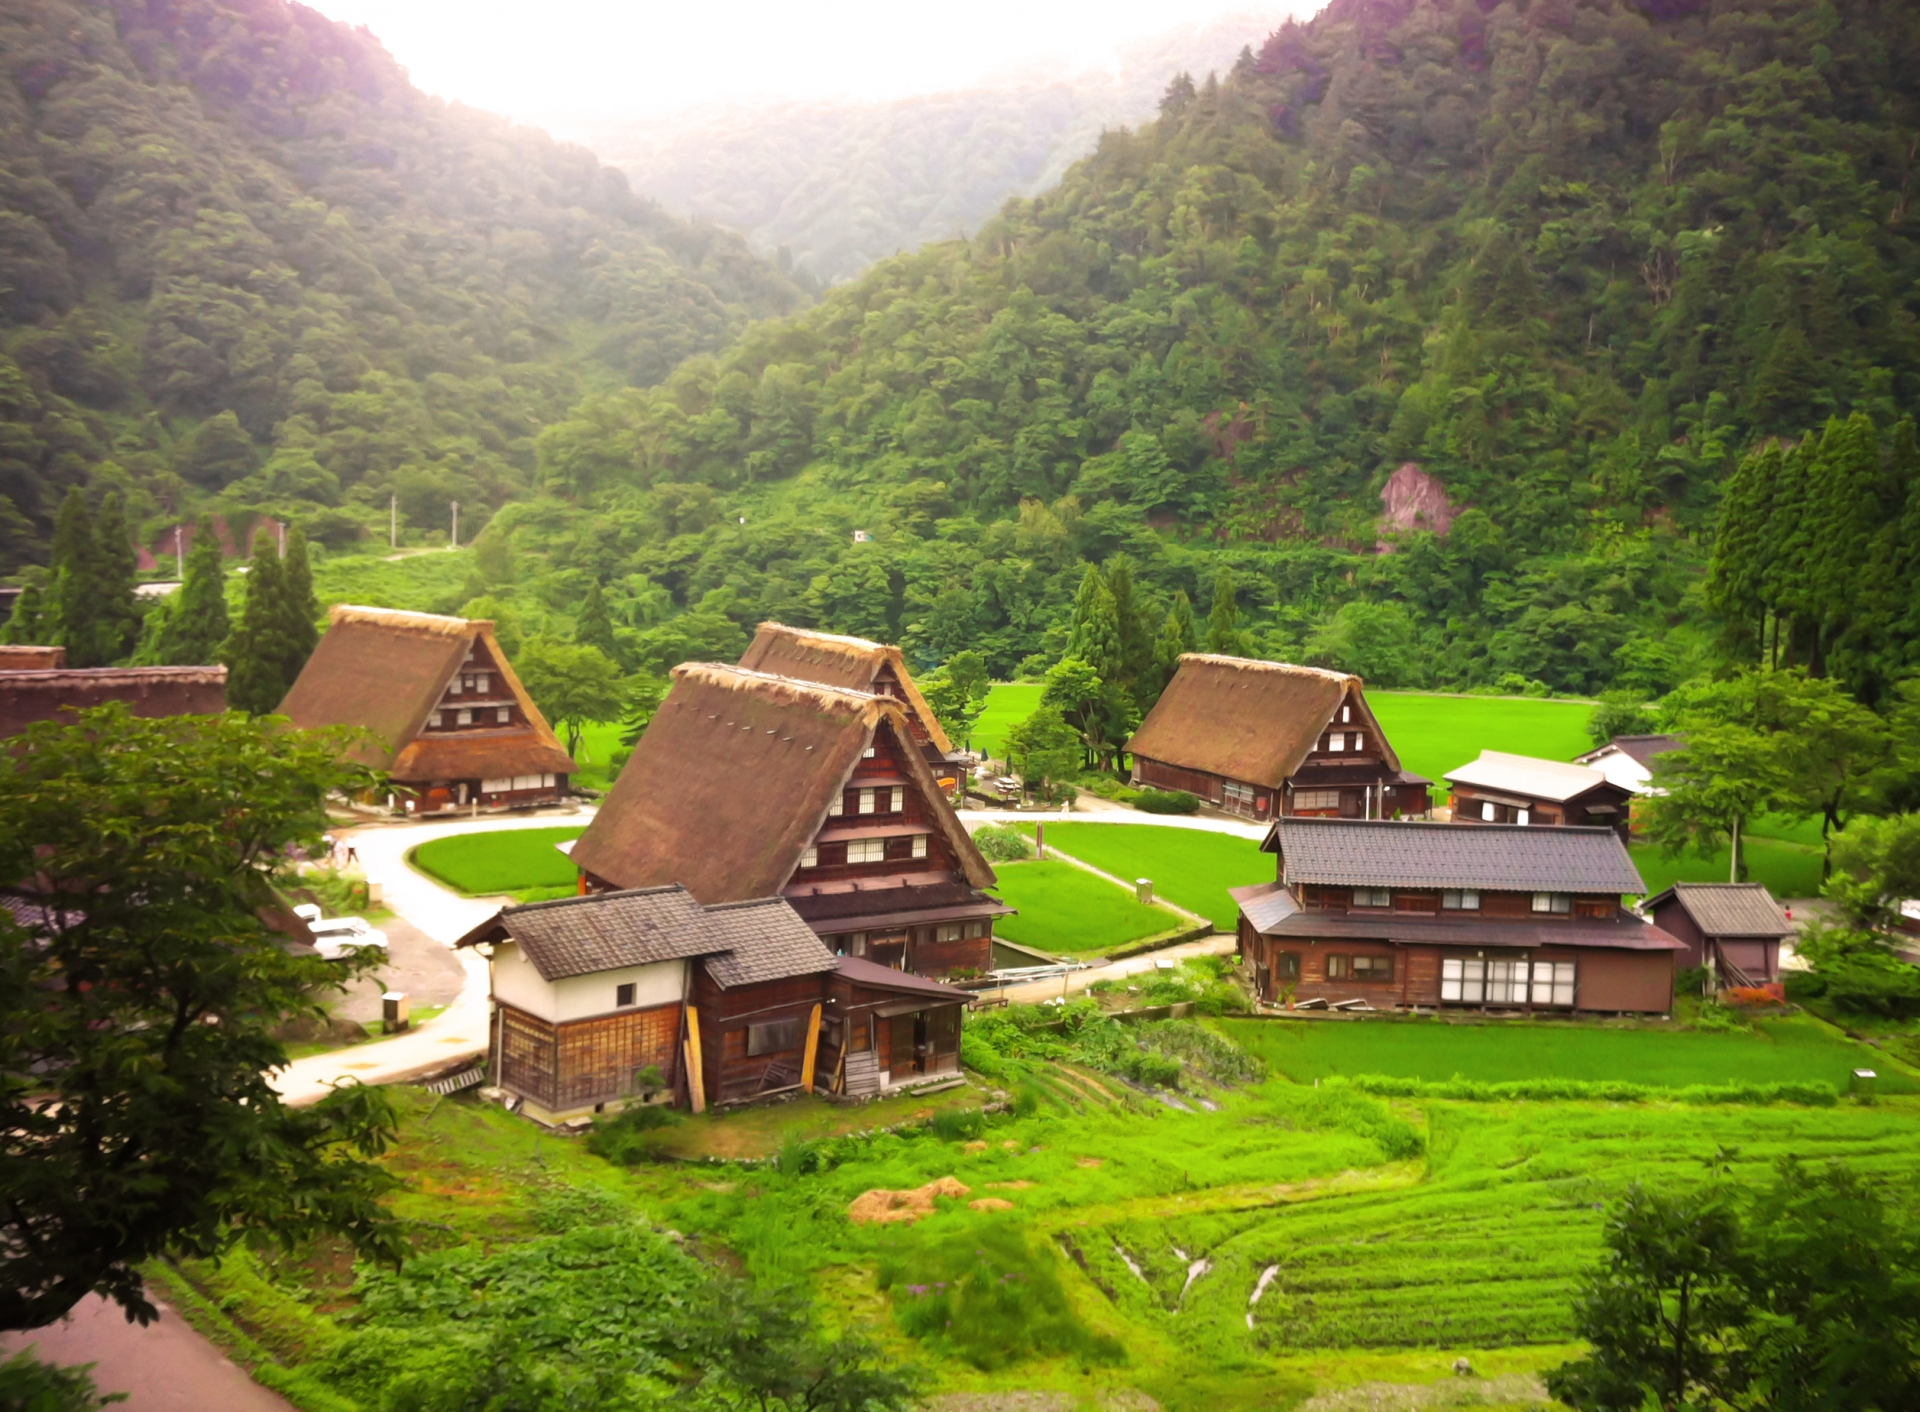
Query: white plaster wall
(517, 983)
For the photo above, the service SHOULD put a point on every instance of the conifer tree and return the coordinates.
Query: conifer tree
(1737, 566)
(116, 571)
(1843, 516)
(30, 623)
(1095, 638)
(1223, 623)
(302, 610)
(1136, 641)
(594, 626)
(1176, 637)
(78, 623)
(196, 621)
(256, 653)
(1785, 550)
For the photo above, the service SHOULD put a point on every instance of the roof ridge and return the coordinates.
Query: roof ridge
(440, 623)
(1298, 820)
(836, 639)
(1261, 664)
(577, 898)
(731, 678)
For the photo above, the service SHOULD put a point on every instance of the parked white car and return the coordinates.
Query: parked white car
(339, 937)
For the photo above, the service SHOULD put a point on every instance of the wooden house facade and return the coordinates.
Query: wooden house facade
(1627, 760)
(1427, 916)
(645, 995)
(1732, 929)
(749, 785)
(32, 693)
(1267, 739)
(1499, 788)
(452, 726)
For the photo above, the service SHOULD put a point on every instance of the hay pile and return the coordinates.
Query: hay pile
(875, 1207)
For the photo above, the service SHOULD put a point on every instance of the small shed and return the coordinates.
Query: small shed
(1733, 929)
(1499, 788)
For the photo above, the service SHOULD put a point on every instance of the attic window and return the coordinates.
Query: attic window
(899, 800)
(435, 719)
(919, 845)
(867, 800)
(623, 995)
(868, 753)
(463, 717)
(480, 683)
(839, 804)
(867, 850)
(453, 687)
(1346, 714)
(1337, 740)
(1372, 897)
(1359, 741)
(810, 859)
(503, 714)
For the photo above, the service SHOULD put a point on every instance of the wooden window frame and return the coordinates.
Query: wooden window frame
(774, 1036)
(623, 995)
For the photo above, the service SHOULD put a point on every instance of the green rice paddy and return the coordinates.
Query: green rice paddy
(1191, 868)
(504, 860)
(1008, 704)
(1433, 734)
(1795, 1049)
(1068, 911)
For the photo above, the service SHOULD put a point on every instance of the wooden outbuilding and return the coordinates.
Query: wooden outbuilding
(747, 785)
(646, 995)
(1389, 915)
(1266, 739)
(1733, 929)
(1627, 760)
(450, 722)
(1499, 788)
(33, 694)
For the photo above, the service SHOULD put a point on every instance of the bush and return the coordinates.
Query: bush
(28, 1385)
(1608, 1091)
(633, 1135)
(1002, 843)
(1162, 801)
(1107, 787)
(1214, 1056)
(1690, 980)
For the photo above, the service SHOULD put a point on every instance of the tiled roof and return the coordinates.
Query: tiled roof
(875, 901)
(1498, 857)
(762, 940)
(1728, 909)
(607, 931)
(1264, 904)
(34, 695)
(871, 975)
(1626, 933)
(1527, 775)
(1640, 748)
(853, 663)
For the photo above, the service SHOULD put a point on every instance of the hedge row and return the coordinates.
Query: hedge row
(1551, 1090)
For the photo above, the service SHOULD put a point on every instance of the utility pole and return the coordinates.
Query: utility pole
(453, 540)
(179, 554)
(393, 522)
(283, 539)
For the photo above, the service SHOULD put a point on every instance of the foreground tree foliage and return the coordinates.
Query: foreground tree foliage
(139, 989)
(1803, 1297)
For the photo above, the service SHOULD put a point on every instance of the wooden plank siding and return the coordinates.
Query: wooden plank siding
(731, 1074)
(585, 1063)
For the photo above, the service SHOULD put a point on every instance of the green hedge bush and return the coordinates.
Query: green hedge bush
(1162, 801)
(1562, 1090)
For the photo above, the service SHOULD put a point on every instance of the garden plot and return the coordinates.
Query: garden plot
(1068, 911)
(1191, 868)
(514, 861)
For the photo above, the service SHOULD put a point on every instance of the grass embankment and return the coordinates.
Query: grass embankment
(501, 861)
(423, 581)
(1791, 1049)
(1191, 868)
(1383, 1238)
(1069, 911)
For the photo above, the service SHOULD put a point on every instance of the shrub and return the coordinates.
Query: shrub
(28, 1385)
(1107, 787)
(1690, 980)
(633, 1135)
(1002, 843)
(1719, 1017)
(1212, 1055)
(959, 1124)
(1162, 801)
(989, 1294)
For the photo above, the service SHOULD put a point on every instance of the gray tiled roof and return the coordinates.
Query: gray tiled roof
(1729, 909)
(607, 931)
(1625, 932)
(1528, 775)
(761, 940)
(1498, 857)
(1264, 904)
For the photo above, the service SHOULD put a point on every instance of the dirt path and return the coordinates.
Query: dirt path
(165, 1367)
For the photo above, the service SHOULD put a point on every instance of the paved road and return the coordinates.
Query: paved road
(423, 969)
(165, 1367)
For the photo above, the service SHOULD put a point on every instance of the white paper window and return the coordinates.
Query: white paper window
(1308, 799)
(499, 786)
(1372, 897)
(1506, 982)
(1359, 740)
(1463, 980)
(1337, 741)
(867, 850)
(919, 845)
(436, 718)
(899, 800)
(1553, 982)
(503, 715)
(1552, 902)
(1460, 900)
(1486, 811)
(867, 800)
(1521, 817)
(810, 859)
(464, 718)
(453, 687)
(839, 805)
(548, 781)
(480, 683)
(1346, 714)
(868, 753)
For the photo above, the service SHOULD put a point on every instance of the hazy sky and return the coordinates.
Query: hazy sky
(552, 59)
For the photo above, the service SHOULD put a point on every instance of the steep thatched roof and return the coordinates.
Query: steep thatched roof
(733, 778)
(853, 663)
(384, 670)
(29, 696)
(1246, 720)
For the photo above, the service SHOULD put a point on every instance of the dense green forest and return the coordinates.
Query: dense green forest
(838, 186)
(1438, 327)
(244, 265)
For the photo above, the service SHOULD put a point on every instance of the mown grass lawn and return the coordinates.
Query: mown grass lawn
(1191, 868)
(1792, 1049)
(1008, 704)
(1433, 734)
(506, 860)
(1068, 910)
(1787, 869)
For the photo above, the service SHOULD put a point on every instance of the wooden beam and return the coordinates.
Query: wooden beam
(812, 1051)
(696, 1080)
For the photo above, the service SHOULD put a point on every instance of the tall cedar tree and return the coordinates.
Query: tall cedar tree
(79, 623)
(31, 622)
(197, 622)
(1095, 638)
(594, 626)
(301, 609)
(1223, 623)
(1136, 638)
(256, 653)
(117, 570)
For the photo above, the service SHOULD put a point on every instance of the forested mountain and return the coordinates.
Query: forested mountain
(838, 186)
(240, 256)
(1542, 269)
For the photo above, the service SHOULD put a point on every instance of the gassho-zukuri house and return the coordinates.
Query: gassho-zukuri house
(1265, 739)
(1431, 916)
(647, 995)
(856, 664)
(747, 785)
(453, 727)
